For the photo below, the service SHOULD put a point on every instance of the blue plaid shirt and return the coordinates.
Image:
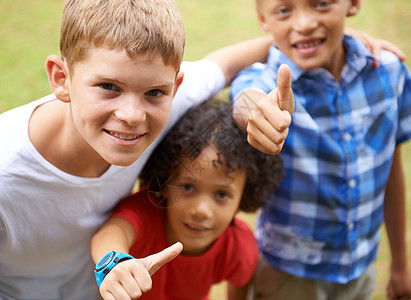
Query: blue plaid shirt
(323, 223)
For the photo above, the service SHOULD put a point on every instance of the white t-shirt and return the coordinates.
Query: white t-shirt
(47, 216)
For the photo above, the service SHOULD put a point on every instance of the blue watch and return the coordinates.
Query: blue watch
(107, 263)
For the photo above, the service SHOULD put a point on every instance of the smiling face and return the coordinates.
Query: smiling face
(120, 105)
(202, 201)
(309, 32)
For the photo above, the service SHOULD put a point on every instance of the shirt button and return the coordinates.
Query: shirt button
(352, 183)
(347, 137)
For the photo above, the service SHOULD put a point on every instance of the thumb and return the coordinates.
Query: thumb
(284, 92)
(156, 261)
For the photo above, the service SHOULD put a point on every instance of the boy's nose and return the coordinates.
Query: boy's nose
(131, 110)
(201, 208)
(305, 22)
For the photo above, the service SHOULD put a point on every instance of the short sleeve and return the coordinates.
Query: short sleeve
(203, 79)
(136, 209)
(244, 255)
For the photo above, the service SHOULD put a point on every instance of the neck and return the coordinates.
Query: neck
(337, 63)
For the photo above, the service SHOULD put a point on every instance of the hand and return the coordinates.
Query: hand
(268, 128)
(131, 278)
(399, 286)
(376, 45)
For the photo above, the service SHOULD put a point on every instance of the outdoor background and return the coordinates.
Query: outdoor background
(29, 32)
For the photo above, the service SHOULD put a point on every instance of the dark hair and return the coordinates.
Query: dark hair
(212, 124)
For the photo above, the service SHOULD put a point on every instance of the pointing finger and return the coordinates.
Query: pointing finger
(156, 261)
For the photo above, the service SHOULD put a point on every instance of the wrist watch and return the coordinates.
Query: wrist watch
(107, 263)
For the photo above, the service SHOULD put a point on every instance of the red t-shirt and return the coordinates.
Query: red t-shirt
(233, 256)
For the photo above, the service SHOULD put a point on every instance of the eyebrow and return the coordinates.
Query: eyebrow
(190, 180)
(165, 85)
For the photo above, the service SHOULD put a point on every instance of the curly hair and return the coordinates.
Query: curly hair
(212, 124)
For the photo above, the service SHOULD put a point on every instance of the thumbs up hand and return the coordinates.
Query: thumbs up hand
(266, 118)
(131, 278)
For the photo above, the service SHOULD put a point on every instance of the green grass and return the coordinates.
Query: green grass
(29, 32)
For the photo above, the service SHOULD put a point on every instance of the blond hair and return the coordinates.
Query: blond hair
(150, 27)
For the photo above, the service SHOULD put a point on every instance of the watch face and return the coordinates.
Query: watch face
(105, 260)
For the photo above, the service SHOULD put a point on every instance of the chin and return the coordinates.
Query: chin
(308, 66)
(123, 161)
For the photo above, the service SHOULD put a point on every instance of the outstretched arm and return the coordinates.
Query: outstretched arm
(131, 278)
(399, 286)
(266, 118)
(232, 59)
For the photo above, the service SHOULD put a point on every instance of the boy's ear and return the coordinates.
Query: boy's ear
(261, 21)
(179, 81)
(57, 74)
(354, 8)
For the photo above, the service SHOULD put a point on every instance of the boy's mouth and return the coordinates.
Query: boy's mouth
(124, 136)
(308, 44)
(195, 227)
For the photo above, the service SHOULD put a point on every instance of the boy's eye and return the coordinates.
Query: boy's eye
(187, 187)
(322, 4)
(108, 87)
(154, 93)
(222, 196)
(282, 10)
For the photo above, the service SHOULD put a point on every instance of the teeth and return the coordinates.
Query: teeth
(195, 228)
(307, 45)
(123, 136)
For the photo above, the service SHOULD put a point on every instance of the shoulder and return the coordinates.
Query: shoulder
(139, 207)
(139, 202)
(242, 251)
(356, 50)
(240, 240)
(391, 63)
(14, 124)
(242, 231)
(393, 73)
(388, 57)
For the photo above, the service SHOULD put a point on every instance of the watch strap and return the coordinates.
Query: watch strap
(107, 263)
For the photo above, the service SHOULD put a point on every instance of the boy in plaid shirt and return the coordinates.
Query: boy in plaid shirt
(319, 232)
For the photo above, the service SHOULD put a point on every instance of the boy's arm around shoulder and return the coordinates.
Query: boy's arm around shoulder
(232, 59)
(399, 286)
(375, 45)
(266, 118)
(130, 278)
